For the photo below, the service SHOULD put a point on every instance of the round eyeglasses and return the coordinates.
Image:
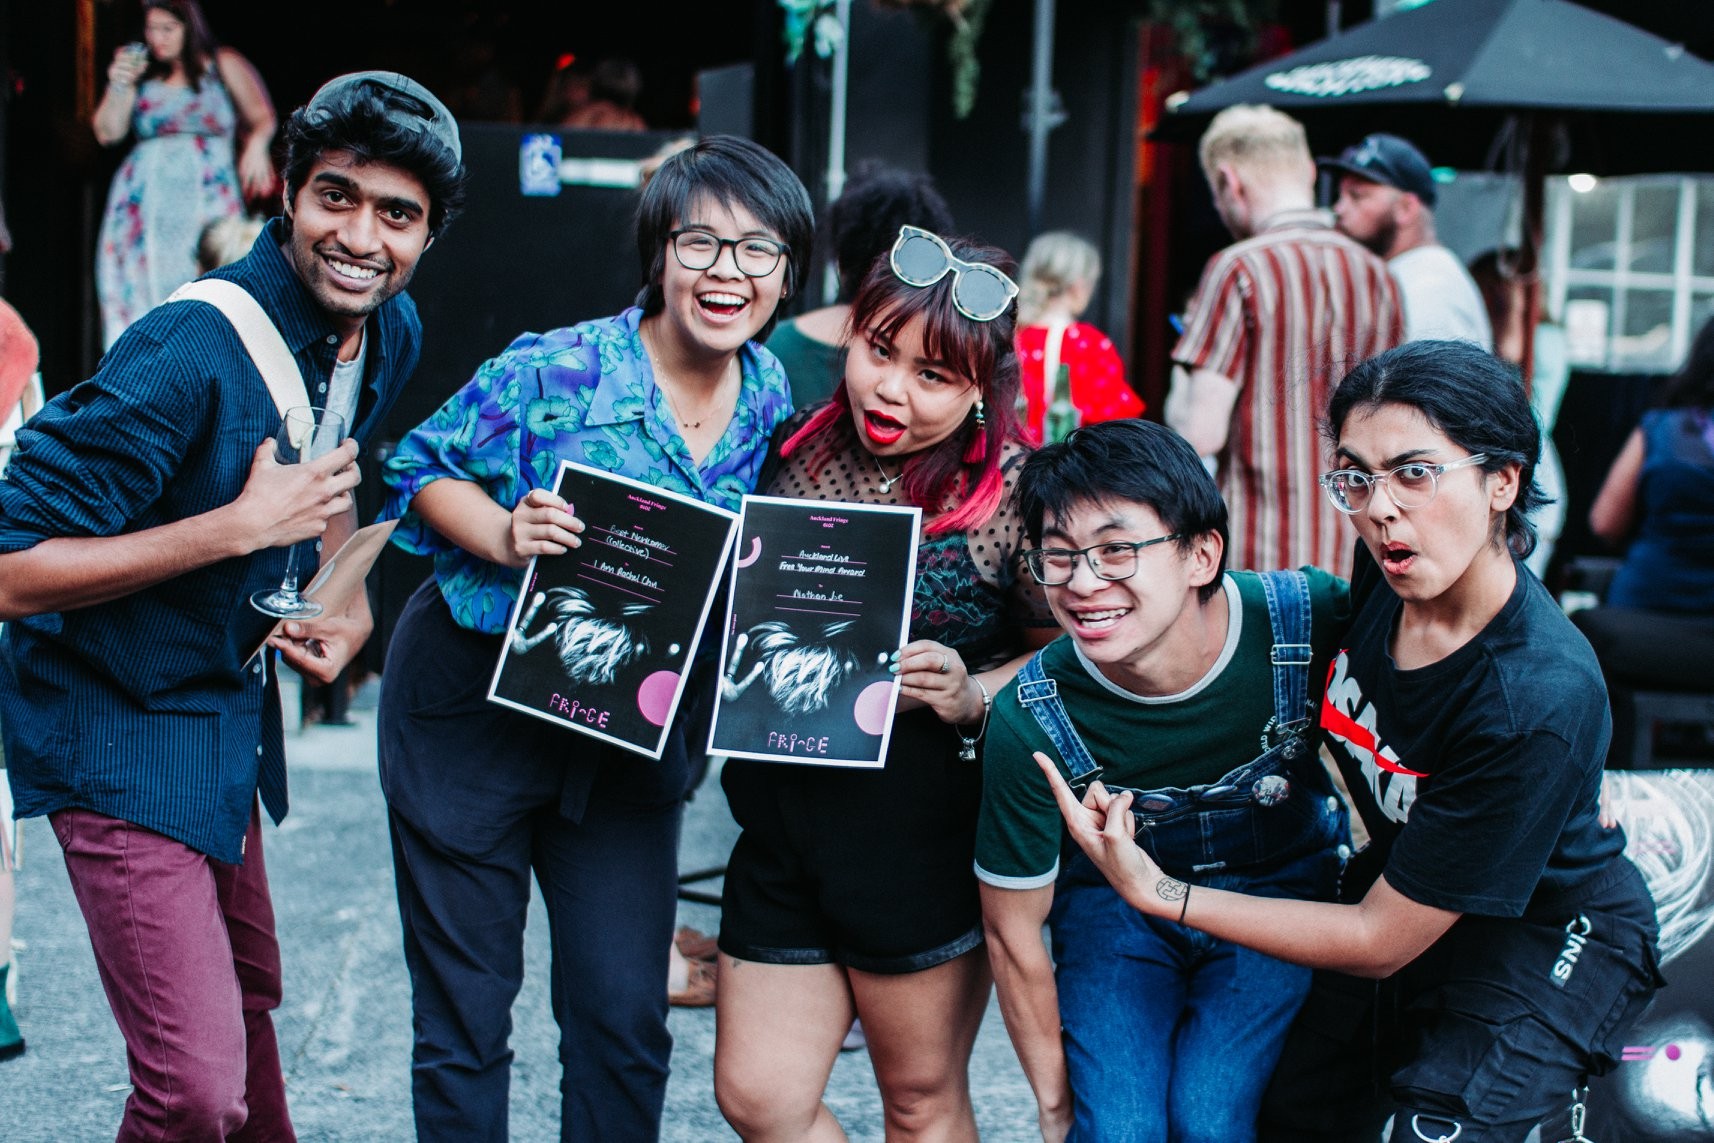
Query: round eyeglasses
(699, 250)
(1114, 560)
(1408, 486)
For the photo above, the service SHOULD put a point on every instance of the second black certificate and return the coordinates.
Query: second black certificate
(821, 597)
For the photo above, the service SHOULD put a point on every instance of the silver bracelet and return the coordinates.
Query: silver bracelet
(967, 742)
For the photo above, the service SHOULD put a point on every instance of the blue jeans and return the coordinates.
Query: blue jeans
(1171, 1034)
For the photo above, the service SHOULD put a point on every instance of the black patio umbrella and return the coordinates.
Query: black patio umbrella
(1526, 86)
(1450, 74)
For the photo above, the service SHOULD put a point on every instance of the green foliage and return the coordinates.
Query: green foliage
(961, 52)
(1214, 35)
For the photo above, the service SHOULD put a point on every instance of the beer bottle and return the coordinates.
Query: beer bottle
(1062, 416)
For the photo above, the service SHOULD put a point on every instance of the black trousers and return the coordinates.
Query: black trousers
(1480, 1038)
(481, 799)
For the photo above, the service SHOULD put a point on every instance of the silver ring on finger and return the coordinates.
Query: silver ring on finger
(945, 664)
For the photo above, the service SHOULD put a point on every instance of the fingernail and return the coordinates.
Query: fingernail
(892, 668)
(893, 658)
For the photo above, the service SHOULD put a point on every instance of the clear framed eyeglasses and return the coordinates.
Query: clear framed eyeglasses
(1408, 486)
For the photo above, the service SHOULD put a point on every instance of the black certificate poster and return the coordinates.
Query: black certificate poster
(821, 597)
(602, 637)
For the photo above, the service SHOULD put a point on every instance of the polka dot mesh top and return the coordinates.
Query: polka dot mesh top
(971, 592)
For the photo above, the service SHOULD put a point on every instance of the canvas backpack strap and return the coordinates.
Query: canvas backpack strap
(261, 337)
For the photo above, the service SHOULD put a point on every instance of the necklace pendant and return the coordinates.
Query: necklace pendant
(886, 481)
(967, 751)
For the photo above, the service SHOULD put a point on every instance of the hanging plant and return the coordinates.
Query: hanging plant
(967, 17)
(799, 16)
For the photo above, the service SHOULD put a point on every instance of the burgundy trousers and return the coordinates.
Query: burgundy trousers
(187, 954)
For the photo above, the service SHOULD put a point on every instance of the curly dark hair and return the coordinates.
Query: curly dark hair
(863, 222)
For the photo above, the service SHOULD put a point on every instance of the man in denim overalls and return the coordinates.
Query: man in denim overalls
(1190, 686)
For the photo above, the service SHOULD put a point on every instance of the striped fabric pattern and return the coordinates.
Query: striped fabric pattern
(1286, 314)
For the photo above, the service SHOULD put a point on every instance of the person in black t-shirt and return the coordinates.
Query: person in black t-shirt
(1513, 942)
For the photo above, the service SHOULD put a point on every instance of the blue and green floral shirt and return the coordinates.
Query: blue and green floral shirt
(584, 393)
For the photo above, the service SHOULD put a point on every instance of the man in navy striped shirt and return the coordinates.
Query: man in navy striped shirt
(138, 513)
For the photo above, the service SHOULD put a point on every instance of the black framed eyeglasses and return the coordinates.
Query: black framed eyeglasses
(979, 291)
(1408, 486)
(698, 250)
(1114, 560)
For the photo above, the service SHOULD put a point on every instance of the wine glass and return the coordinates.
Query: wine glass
(306, 433)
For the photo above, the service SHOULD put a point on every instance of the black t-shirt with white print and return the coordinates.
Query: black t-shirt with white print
(1478, 776)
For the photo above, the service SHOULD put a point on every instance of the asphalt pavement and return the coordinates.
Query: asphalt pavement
(344, 1026)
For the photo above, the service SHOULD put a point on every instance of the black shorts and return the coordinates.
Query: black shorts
(870, 869)
(1483, 1036)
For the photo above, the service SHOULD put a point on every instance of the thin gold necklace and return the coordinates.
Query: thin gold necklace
(655, 365)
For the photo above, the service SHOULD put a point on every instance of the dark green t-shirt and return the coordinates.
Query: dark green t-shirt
(1186, 739)
(813, 367)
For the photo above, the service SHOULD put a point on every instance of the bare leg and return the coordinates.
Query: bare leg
(922, 1027)
(777, 1033)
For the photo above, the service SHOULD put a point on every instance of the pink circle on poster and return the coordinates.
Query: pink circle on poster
(870, 710)
(655, 696)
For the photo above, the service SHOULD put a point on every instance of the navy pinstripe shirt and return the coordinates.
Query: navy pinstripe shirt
(142, 708)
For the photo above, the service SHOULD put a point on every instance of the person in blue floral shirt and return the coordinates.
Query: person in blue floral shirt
(675, 392)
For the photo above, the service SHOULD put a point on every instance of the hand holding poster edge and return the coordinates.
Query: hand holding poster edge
(342, 574)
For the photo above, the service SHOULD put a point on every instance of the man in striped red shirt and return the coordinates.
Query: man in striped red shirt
(1279, 317)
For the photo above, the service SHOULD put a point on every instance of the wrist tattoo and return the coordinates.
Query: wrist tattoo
(1170, 890)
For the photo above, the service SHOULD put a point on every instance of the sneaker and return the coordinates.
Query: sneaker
(11, 1040)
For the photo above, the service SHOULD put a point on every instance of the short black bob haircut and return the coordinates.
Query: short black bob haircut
(367, 127)
(863, 222)
(1466, 393)
(1130, 460)
(731, 171)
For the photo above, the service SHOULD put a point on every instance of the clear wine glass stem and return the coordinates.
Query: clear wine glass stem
(289, 584)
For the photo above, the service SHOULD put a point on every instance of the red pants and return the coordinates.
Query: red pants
(187, 954)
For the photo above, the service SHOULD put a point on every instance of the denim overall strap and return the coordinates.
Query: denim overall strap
(1289, 615)
(1039, 695)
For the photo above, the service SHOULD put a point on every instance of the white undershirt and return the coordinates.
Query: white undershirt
(347, 381)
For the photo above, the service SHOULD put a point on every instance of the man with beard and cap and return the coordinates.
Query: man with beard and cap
(139, 512)
(1387, 196)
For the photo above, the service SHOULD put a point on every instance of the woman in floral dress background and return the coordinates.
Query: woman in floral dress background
(187, 100)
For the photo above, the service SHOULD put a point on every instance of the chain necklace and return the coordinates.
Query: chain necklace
(654, 364)
(887, 482)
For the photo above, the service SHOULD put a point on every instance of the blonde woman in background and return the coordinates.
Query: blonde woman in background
(1059, 275)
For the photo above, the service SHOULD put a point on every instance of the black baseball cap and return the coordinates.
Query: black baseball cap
(408, 104)
(1388, 159)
